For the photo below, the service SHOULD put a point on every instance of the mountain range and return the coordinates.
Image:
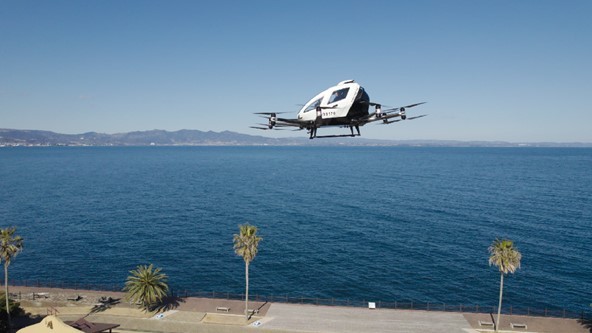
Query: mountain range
(15, 137)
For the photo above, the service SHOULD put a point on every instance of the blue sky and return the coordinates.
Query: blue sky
(490, 70)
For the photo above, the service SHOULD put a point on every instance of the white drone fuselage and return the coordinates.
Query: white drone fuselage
(337, 105)
(345, 105)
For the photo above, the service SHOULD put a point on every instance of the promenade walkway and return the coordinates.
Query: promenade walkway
(311, 318)
(202, 315)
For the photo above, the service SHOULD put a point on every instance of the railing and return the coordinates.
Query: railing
(65, 285)
(52, 311)
(557, 312)
(398, 305)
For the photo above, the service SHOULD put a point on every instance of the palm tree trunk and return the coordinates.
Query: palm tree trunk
(247, 290)
(6, 295)
(499, 307)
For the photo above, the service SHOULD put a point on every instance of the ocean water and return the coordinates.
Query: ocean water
(360, 223)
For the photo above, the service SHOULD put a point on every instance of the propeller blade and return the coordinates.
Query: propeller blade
(275, 125)
(370, 103)
(411, 118)
(391, 110)
(412, 105)
(267, 128)
(270, 113)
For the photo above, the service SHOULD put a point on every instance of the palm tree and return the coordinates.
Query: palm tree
(146, 285)
(246, 244)
(10, 247)
(506, 257)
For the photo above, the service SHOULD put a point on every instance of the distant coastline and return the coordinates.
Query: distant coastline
(39, 138)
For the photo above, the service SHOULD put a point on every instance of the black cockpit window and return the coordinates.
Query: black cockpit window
(362, 96)
(338, 95)
(314, 105)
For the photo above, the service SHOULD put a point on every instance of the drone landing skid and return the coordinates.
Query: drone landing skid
(313, 133)
(337, 136)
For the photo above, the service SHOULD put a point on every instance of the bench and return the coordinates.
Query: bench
(222, 308)
(518, 325)
(255, 311)
(106, 300)
(39, 295)
(485, 323)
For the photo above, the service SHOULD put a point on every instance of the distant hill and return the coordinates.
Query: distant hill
(13, 137)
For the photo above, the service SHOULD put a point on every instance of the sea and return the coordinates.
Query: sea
(358, 223)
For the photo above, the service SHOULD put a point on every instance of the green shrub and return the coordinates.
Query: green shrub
(15, 311)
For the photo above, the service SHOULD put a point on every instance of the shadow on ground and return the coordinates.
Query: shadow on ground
(168, 303)
(26, 320)
(587, 323)
(104, 304)
(256, 311)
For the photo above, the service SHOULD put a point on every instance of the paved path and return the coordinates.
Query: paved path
(311, 318)
(201, 315)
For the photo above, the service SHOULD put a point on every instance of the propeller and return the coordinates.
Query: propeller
(267, 128)
(402, 108)
(386, 121)
(270, 113)
(275, 125)
(412, 105)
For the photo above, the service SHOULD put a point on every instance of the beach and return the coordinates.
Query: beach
(225, 316)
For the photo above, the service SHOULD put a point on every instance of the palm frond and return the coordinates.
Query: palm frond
(146, 285)
(246, 242)
(504, 255)
(10, 245)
